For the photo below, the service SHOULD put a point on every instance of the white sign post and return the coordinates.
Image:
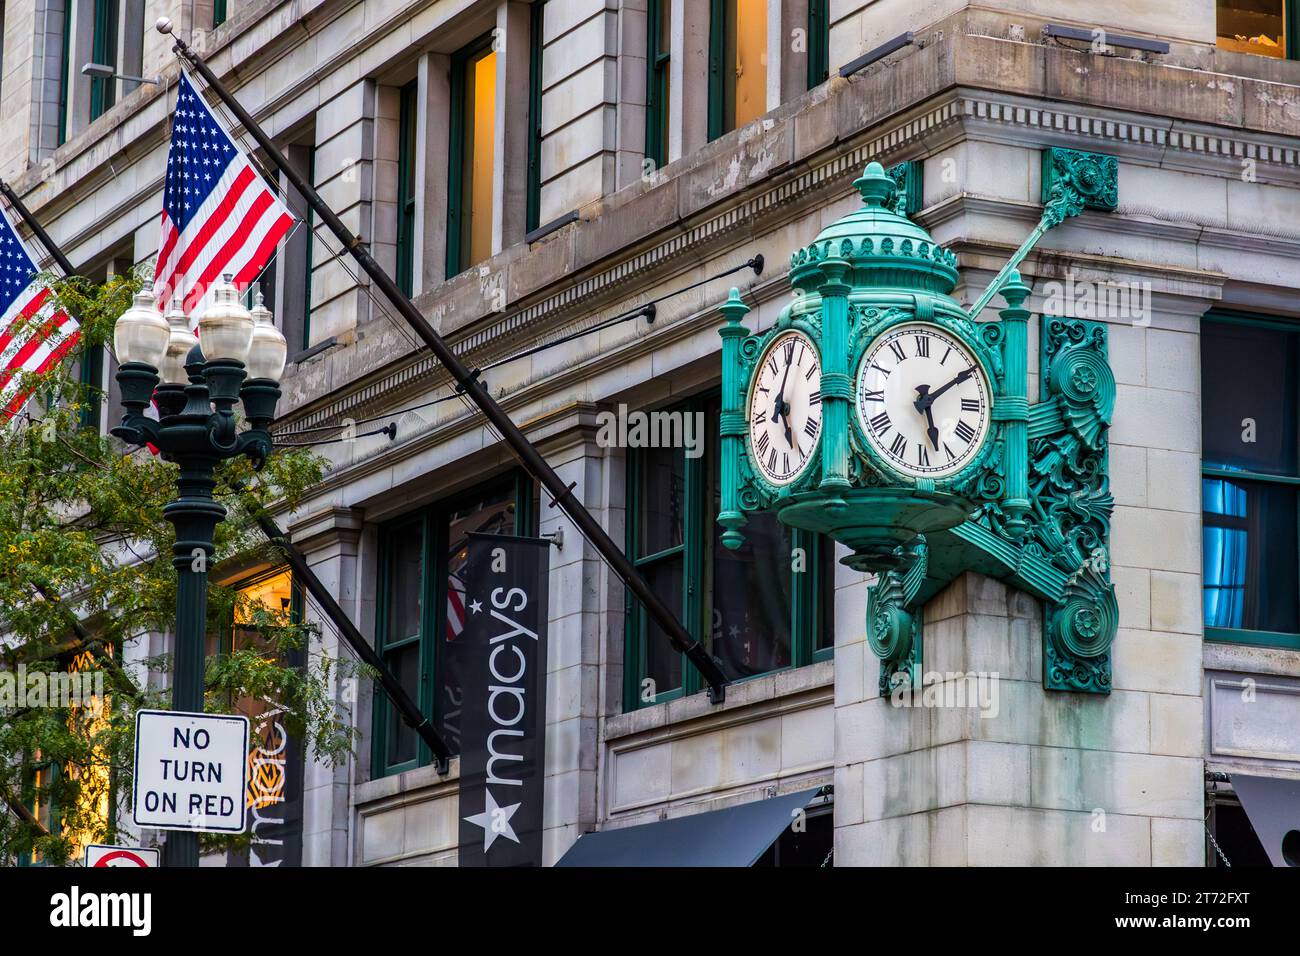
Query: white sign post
(139, 857)
(191, 771)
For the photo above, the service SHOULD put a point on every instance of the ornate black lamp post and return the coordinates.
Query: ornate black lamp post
(242, 357)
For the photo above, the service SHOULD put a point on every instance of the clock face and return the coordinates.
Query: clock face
(785, 407)
(923, 401)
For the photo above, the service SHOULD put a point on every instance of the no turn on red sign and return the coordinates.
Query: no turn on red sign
(138, 857)
(191, 771)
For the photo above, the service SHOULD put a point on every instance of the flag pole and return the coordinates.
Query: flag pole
(467, 382)
(407, 708)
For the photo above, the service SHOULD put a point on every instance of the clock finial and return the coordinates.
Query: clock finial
(877, 188)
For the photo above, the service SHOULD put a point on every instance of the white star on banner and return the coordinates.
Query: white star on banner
(495, 821)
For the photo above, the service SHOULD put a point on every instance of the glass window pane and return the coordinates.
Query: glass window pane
(1250, 380)
(1250, 557)
(479, 137)
(744, 65)
(825, 636)
(405, 664)
(494, 513)
(1252, 26)
(752, 610)
(405, 597)
(663, 499)
(663, 663)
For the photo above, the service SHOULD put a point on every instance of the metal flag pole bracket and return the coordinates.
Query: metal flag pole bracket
(527, 455)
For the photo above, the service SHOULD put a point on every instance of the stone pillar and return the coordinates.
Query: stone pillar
(688, 100)
(573, 658)
(431, 170)
(345, 178)
(329, 541)
(992, 770)
(510, 168)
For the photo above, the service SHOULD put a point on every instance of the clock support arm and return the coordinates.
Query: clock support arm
(836, 384)
(1012, 406)
(1073, 181)
(732, 419)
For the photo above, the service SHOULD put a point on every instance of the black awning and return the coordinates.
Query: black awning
(736, 836)
(1273, 806)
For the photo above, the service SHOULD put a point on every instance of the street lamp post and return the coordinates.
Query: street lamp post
(242, 357)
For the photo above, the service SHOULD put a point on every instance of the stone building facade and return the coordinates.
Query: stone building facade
(528, 170)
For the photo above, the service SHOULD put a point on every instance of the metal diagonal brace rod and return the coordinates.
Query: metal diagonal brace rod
(25, 214)
(1017, 257)
(411, 714)
(708, 666)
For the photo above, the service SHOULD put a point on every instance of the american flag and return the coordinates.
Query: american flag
(219, 217)
(36, 335)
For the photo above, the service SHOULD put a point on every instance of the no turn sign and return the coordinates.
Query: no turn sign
(191, 771)
(139, 857)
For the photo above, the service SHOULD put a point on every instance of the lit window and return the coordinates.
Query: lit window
(1255, 26)
(738, 64)
(473, 138)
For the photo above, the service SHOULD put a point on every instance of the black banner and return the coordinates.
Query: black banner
(500, 656)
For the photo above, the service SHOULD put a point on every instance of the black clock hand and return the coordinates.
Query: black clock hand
(927, 397)
(931, 430)
(780, 395)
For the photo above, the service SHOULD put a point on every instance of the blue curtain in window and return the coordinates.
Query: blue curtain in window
(1225, 553)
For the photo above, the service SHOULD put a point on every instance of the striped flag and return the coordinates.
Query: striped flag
(36, 335)
(219, 217)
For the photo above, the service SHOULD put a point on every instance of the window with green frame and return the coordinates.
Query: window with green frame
(218, 12)
(91, 375)
(103, 89)
(737, 63)
(38, 780)
(421, 608)
(406, 187)
(65, 68)
(1261, 27)
(658, 57)
(1250, 478)
(819, 42)
(762, 608)
(472, 149)
(536, 41)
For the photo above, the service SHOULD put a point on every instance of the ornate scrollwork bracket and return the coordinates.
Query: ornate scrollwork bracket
(894, 625)
(1072, 499)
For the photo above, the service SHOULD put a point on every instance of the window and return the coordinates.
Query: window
(819, 42)
(536, 41)
(91, 375)
(218, 13)
(303, 339)
(64, 73)
(1250, 479)
(757, 612)
(103, 51)
(473, 138)
(421, 608)
(737, 64)
(406, 190)
(1262, 27)
(658, 47)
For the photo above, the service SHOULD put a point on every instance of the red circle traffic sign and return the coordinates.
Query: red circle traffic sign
(126, 857)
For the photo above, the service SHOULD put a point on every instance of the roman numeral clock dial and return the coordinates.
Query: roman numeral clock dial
(923, 401)
(785, 411)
